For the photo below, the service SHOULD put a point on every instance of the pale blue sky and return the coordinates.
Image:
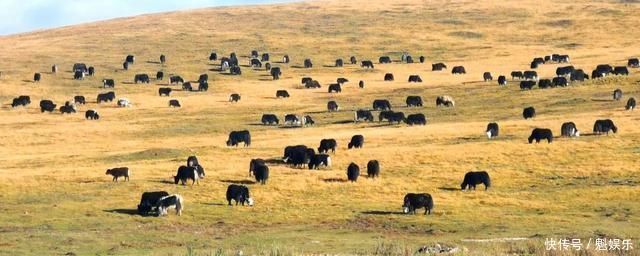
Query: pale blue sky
(27, 15)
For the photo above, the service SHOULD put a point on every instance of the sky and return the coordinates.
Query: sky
(20, 16)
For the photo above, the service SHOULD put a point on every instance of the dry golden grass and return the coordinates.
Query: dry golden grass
(56, 198)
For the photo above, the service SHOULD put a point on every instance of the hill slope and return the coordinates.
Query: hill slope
(56, 197)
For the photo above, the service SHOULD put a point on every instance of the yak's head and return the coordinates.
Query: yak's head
(250, 201)
(108, 172)
(176, 179)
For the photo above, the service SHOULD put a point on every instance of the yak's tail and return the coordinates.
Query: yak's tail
(179, 205)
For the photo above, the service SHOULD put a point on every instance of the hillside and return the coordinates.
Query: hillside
(57, 199)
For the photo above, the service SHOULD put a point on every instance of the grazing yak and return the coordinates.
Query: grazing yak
(631, 104)
(119, 172)
(149, 202)
(47, 105)
(445, 100)
(560, 81)
(22, 100)
(159, 75)
(291, 119)
(357, 141)
(568, 129)
(92, 71)
(373, 169)
(240, 194)
(438, 66)
(125, 65)
(388, 77)
(578, 75)
(235, 137)
(123, 102)
(308, 63)
(353, 60)
(517, 75)
(487, 76)
(275, 73)
(471, 179)
(91, 114)
(79, 99)
(68, 108)
(260, 172)
(620, 71)
(458, 70)
(270, 119)
(564, 71)
(163, 59)
(414, 101)
(306, 79)
(391, 116)
(529, 112)
(213, 56)
(255, 63)
(108, 83)
(530, 75)
(540, 134)
(174, 103)
(502, 80)
(633, 63)
(415, 79)
(363, 115)
(527, 85)
(282, 94)
(332, 106)
(318, 160)
(342, 80)
(353, 172)
(617, 94)
(172, 201)
(203, 86)
(255, 163)
(192, 161)
(361, 84)
(544, 83)
(36, 77)
(78, 75)
(54, 69)
(166, 91)
(604, 126)
(493, 130)
(176, 80)
(339, 63)
(234, 97)
(130, 59)
(335, 88)
(104, 97)
(141, 78)
(235, 70)
(298, 155)
(187, 173)
(416, 119)
(384, 59)
(366, 64)
(326, 145)
(413, 201)
(421, 59)
(312, 84)
(381, 104)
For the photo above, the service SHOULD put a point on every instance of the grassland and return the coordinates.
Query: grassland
(56, 198)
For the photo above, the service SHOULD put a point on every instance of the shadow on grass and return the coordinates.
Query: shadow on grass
(449, 189)
(602, 100)
(214, 204)
(243, 182)
(382, 213)
(341, 121)
(124, 211)
(339, 180)
(274, 161)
